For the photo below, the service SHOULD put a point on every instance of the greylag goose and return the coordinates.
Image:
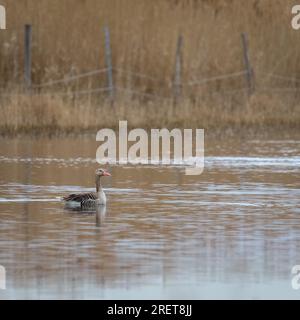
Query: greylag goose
(89, 200)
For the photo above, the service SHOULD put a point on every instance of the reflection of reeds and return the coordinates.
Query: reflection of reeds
(68, 39)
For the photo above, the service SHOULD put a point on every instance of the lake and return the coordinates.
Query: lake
(232, 232)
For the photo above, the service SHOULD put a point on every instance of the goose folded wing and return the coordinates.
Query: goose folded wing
(81, 197)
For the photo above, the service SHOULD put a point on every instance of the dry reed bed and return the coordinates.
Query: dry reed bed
(68, 38)
(22, 113)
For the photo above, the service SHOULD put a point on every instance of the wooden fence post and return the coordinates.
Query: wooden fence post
(108, 61)
(249, 73)
(178, 69)
(27, 57)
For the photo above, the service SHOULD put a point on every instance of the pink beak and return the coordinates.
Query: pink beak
(106, 174)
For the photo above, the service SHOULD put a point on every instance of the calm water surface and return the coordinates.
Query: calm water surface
(233, 232)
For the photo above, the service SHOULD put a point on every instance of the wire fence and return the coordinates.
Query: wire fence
(176, 88)
(39, 89)
(69, 79)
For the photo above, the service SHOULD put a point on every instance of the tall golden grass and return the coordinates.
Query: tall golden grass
(42, 114)
(68, 38)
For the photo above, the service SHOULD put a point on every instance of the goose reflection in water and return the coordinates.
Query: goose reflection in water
(99, 211)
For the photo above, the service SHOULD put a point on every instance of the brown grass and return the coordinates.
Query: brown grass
(43, 114)
(68, 38)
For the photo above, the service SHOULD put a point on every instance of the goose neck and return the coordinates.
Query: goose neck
(98, 185)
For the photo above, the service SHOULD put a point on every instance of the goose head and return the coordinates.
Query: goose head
(102, 173)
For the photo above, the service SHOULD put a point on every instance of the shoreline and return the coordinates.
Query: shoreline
(253, 132)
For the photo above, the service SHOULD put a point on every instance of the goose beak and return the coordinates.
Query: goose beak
(106, 174)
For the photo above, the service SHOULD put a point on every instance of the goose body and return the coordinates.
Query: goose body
(89, 200)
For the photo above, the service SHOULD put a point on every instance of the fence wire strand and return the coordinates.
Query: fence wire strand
(69, 79)
(137, 75)
(216, 78)
(145, 76)
(279, 77)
